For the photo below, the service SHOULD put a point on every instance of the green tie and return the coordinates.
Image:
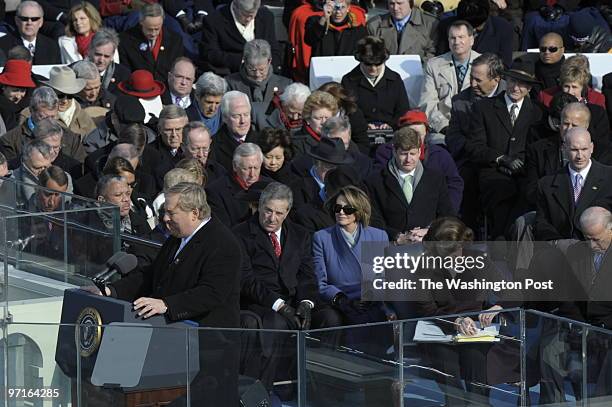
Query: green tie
(407, 188)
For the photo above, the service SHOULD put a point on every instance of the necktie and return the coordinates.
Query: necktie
(513, 110)
(31, 48)
(597, 259)
(577, 187)
(407, 188)
(179, 101)
(275, 244)
(461, 70)
(183, 244)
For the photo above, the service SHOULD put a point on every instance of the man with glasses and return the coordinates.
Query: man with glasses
(496, 143)
(236, 129)
(246, 169)
(180, 90)
(548, 66)
(256, 78)
(172, 120)
(51, 132)
(197, 145)
(29, 20)
(36, 158)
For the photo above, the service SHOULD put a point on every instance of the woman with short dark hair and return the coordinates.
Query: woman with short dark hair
(276, 147)
(380, 92)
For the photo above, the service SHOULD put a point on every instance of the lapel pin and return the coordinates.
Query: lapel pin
(161, 48)
(594, 188)
(143, 46)
(176, 261)
(112, 79)
(275, 89)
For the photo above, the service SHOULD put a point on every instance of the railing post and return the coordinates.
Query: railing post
(523, 354)
(301, 365)
(400, 354)
(585, 395)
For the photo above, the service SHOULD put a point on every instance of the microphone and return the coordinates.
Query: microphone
(119, 262)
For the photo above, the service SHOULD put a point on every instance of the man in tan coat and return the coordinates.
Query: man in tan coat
(406, 30)
(447, 75)
(43, 104)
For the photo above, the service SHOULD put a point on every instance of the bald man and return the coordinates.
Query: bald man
(548, 66)
(563, 196)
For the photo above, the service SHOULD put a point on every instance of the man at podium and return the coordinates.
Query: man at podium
(196, 276)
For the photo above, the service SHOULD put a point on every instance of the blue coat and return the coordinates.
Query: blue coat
(336, 264)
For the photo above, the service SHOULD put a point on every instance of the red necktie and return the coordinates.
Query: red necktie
(275, 244)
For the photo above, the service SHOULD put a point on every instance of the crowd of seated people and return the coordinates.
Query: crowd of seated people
(138, 99)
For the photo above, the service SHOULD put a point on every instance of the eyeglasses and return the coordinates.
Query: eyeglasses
(203, 150)
(348, 210)
(254, 69)
(133, 184)
(552, 50)
(24, 18)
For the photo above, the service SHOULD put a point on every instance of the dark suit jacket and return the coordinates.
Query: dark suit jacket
(267, 278)
(167, 161)
(120, 74)
(386, 102)
(459, 123)
(134, 58)
(192, 111)
(606, 89)
(202, 283)
(47, 51)
(429, 201)
(492, 135)
(222, 44)
(556, 216)
(596, 285)
(543, 158)
(223, 147)
(221, 196)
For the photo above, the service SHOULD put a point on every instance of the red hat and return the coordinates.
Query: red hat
(17, 73)
(142, 85)
(413, 117)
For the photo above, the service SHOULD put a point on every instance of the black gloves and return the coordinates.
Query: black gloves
(510, 165)
(288, 312)
(187, 25)
(304, 313)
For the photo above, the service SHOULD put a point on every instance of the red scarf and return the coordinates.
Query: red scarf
(289, 124)
(83, 42)
(353, 19)
(157, 44)
(311, 132)
(241, 182)
(422, 157)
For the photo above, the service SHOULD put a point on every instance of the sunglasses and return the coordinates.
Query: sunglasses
(133, 184)
(549, 49)
(63, 96)
(24, 18)
(348, 210)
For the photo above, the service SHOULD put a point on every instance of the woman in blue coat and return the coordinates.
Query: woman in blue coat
(337, 256)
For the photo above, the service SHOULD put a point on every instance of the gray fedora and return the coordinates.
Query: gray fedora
(64, 80)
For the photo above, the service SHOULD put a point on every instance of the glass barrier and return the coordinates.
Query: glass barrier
(103, 354)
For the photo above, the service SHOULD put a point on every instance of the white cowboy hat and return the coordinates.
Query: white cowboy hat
(64, 80)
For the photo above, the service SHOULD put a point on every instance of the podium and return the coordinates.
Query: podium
(141, 362)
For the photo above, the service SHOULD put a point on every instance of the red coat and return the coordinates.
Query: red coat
(597, 98)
